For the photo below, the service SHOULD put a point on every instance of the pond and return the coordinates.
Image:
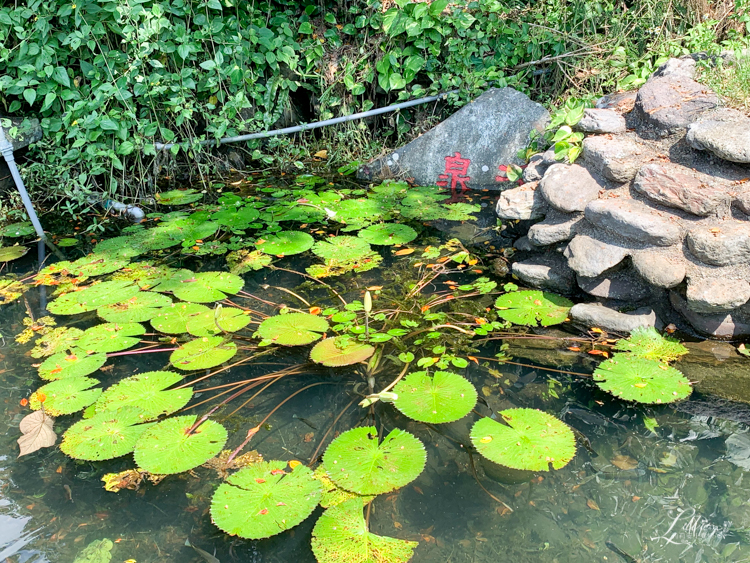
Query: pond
(648, 482)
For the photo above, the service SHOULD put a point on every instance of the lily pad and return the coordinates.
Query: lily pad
(8, 253)
(265, 499)
(167, 448)
(341, 536)
(442, 397)
(293, 329)
(355, 461)
(143, 306)
(647, 343)
(285, 243)
(77, 363)
(388, 234)
(97, 265)
(178, 197)
(10, 290)
(340, 351)
(186, 230)
(205, 287)
(146, 391)
(427, 212)
(218, 321)
(333, 494)
(16, 230)
(65, 396)
(57, 340)
(641, 380)
(531, 308)
(203, 353)
(111, 337)
(236, 219)
(243, 261)
(68, 241)
(106, 435)
(342, 248)
(93, 297)
(364, 263)
(156, 239)
(174, 319)
(120, 247)
(530, 440)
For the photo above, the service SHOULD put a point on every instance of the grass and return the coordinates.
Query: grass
(731, 80)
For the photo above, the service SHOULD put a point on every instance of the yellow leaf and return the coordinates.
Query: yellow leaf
(592, 504)
(597, 330)
(404, 251)
(294, 463)
(321, 154)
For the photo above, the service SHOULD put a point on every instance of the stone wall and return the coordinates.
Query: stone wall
(653, 222)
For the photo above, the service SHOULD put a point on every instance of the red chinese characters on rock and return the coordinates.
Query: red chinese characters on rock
(455, 173)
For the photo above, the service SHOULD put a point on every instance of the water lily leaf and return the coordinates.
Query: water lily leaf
(219, 321)
(203, 353)
(167, 448)
(340, 351)
(647, 343)
(342, 248)
(442, 397)
(188, 229)
(242, 261)
(146, 391)
(388, 234)
(77, 363)
(361, 211)
(97, 265)
(106, 435)
(427, 212)
(144, 274)
(461, 211)
(37, 432)
(333, 494)
(341, 536)
(111, 337)
(265, 499)
(174, 319)
(156, 239)
(65, 396)
(205, 287)
(8, 253)
(533, 307)
(10, 290)
(178, 197)
(293, 329)
(57, 340)
(143, 306)
(285, 243)
(641, 380)
(364, 263)
(120, 247)
(68, 241)
(530, 439)
(236, 219)
(98, 551)
(92, 297)
(15, 230)
(356, 462)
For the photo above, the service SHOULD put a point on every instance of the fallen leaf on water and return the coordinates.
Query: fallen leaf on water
(404, 251)
(624, 462)
(375, 288)
(294, 463)
(635, 499)
(574, 348)
(315, 310)
(592, 504)
(397, 525)
(37, 432)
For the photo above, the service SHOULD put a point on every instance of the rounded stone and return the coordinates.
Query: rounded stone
(721, 243)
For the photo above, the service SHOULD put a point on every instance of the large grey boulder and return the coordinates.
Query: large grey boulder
(601, 121)
(621, 285)
(721, 243)
(547, 271)
(741, 199)
(669, 103)
(716, 294)
(615, 158)
(569, 187)
(724, 132)
(621, 102)
(662, 267)
(556, 227)
(635, 221)
(599, 316)
(719, 325)
(524, 202)
(590, 257)
(676, 67)
(465, 150)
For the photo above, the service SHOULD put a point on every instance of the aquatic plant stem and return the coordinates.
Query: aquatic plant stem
(336, 293)
(148, 350)
(476, 478)
(533, 366)
(289, 291)
(400, 376)
(432, 328)
(333, 425)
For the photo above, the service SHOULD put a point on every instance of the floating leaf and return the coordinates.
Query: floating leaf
(342, 248)
(205, 287)
(57, 340)
(364, 263)
(167, 448)
(157, 239)
(340, 351)
(75, 363)
(147, 392)
(533, 307)
(236, 219)
(111, 337)
(120, 247)
(37, 433)
(65, 396)
(182, 230)
(285, 243)
(442, 397)
(341, 536)
(178, 197)
(68, 241)
(93, 297)
(388, 234)
(143, 306)
(218, 321)
(8, 253)
(644, 381)
(530, 440)
(264, 499)
(293, 329)
(15, 230)
(174, 319)
(356, 462)
(97, 265)
(332, 493)
(647, 343)
(243, 261)
(10, 290)
(203, 353)
(98, 551)
(106, 435)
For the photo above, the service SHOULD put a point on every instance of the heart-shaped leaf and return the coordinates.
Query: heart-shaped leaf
(37, 433)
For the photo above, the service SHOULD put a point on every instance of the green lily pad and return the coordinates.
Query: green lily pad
(93, 297)
(111, 337)
(166, 448)
(156, 239)
(285, 243)
(342, 248)
(205, 287)
(531, 308)
(8, 253)
(427, 212)
(242, 261)
(98, 551)
(97, 265)
(146, 391)
(340, 351)
(68, 241)
(361, 211)
(57, 340)
(365, 263)
(187, 230)
(203, 353)
(236, 219)
(293, 329)
(120, 247)
(647, 343)
(10, 290)
(461, 211)
(356, 462)
(65, 396)
(641, 380)
(341, 536)
(178, 197)
(106, 435)
(143, 306)
(219, 321)
(530, 440)
(16, 230)
(388, 234)
(264, 499)
(442, 397)
(174, 319)
(77, 363)
(333, 494)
